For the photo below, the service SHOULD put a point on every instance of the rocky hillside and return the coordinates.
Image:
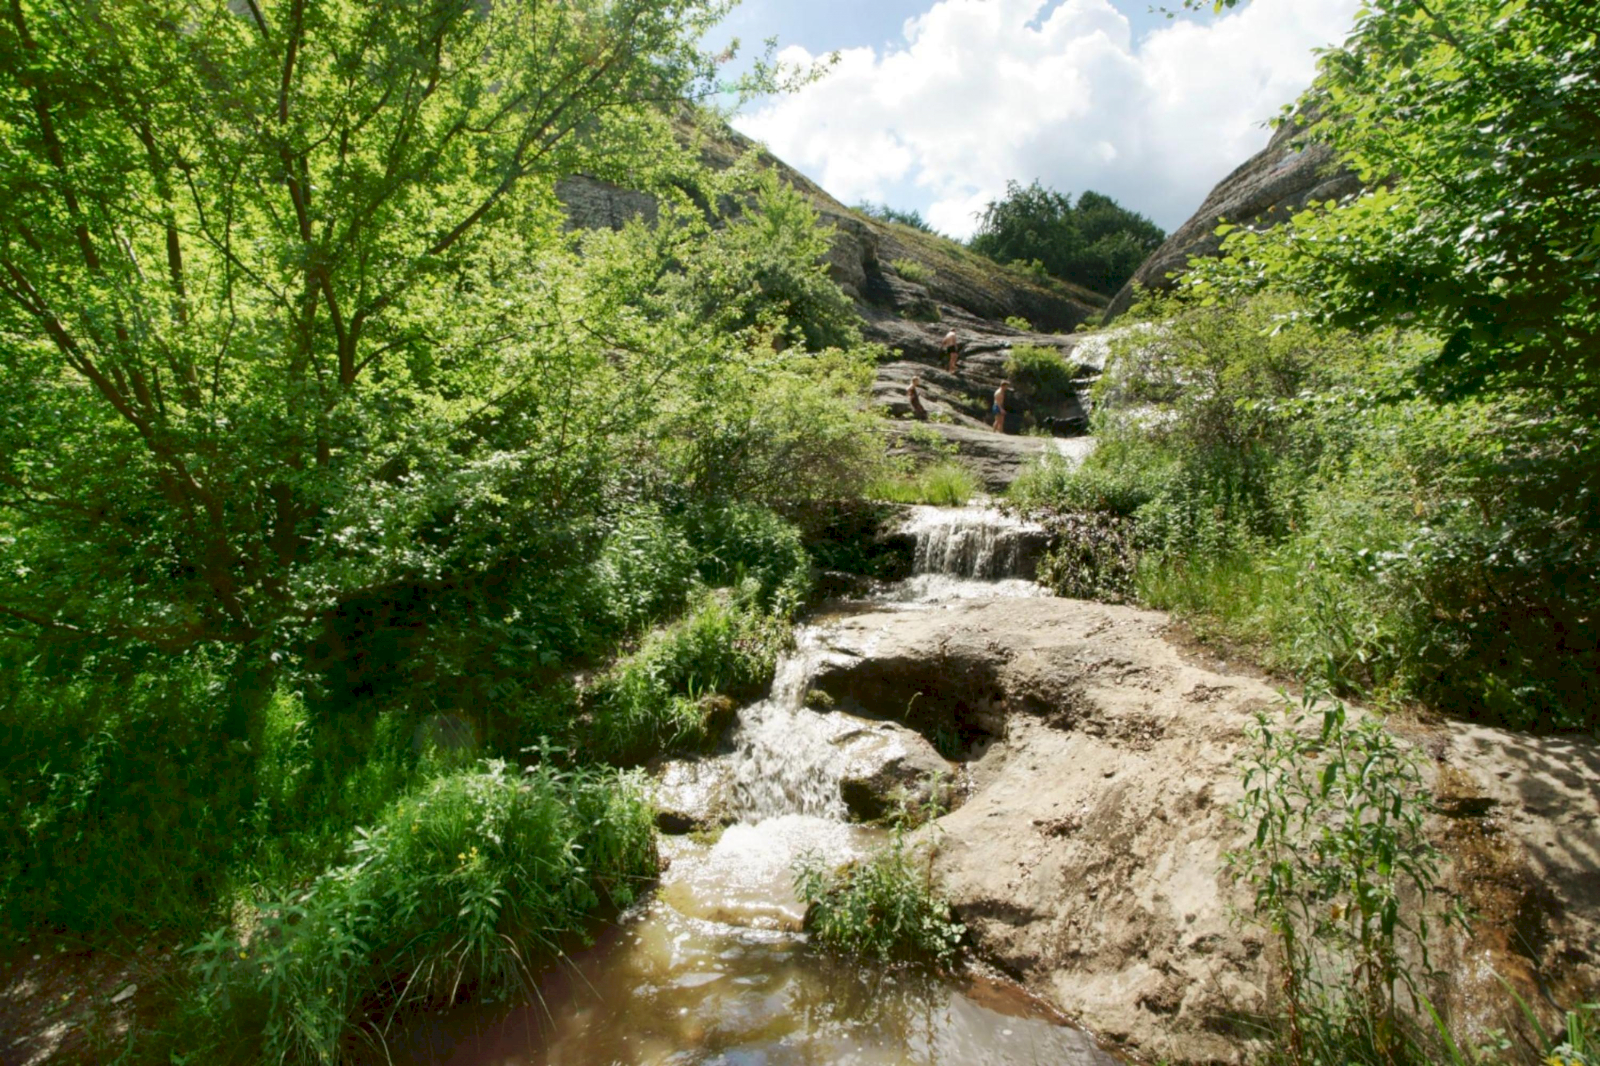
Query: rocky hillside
(1266, 190)
(910, 289)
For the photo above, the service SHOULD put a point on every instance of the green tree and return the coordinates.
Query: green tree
(283, 295)
(1095, 242)
(1473, 123)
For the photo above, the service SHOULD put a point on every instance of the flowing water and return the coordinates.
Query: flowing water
(714, 968)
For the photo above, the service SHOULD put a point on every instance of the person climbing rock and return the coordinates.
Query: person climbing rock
(952, 349)
(1001, 395)
(914, 398)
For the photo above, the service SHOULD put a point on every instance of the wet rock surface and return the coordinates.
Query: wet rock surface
(1102, 759)
(889, 768)
(692, 794)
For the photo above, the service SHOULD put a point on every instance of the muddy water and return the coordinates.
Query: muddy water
(715, 969)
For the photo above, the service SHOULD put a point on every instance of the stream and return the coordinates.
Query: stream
(713, 967)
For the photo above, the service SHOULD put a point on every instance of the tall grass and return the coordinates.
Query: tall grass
(461, 888)
(946, 483)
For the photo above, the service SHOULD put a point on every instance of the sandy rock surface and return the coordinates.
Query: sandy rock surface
(1087, 858)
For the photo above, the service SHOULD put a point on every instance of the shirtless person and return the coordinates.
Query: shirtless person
(1001, 395)
(952, 348)
(914, 398)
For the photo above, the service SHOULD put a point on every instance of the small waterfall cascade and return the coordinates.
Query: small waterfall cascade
(784, 761)
(976, 542)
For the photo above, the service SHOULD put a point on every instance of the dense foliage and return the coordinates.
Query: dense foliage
(1365, 441)
(1095, 242)
(332, 462)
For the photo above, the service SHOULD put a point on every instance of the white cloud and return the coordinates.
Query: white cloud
(981, 91)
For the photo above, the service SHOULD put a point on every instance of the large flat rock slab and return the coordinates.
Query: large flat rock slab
(1088, 856)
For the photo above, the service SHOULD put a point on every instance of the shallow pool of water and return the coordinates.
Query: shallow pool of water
(714, 970)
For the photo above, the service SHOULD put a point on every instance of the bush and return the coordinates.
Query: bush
(1018, 322)
(1092, 557)
(1040, 374)
(885, 213)
(666, 695)
(442, 898)
(1345, 878)
(884, 907)
(1120, 476)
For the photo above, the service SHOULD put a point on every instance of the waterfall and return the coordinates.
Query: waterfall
(983, 543)
(784, 761)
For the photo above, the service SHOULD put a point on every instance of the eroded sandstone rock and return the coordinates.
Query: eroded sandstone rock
(1088, 857)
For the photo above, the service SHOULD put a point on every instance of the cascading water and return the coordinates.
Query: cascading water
(783, 761)
(979, 542)
(714, 969)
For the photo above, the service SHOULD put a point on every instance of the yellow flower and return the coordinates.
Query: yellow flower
(462, 857)
(242, 955)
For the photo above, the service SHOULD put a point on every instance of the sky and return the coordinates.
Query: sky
(935, 104)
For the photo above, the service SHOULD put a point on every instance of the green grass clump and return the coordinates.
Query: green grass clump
(461, 888)
(667, 695)
(912, 270)
(947, 483)
(885, 907)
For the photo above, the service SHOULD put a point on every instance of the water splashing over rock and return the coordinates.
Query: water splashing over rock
(975, 542)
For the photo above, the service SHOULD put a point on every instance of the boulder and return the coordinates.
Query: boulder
(888, 767)
(692, 794)
(1102, 760)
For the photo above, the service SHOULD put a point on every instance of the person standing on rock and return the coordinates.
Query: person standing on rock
(1001, 395)
(952, 349)
(914, 398)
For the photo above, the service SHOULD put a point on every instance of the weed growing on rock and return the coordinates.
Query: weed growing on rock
(1041, 374)
(885, 907)
(912, 270)
(1345, 878)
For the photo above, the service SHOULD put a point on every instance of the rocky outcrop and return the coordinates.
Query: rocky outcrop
(889, 768)
(1265, 191)
(1102, 759)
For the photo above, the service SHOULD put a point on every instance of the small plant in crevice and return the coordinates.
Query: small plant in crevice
(1345, 879)
(884, 907)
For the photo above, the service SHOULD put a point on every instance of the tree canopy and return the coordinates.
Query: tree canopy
(290, 311)
(1095, 242)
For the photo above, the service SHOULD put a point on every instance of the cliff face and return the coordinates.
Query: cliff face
(1269, 188)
